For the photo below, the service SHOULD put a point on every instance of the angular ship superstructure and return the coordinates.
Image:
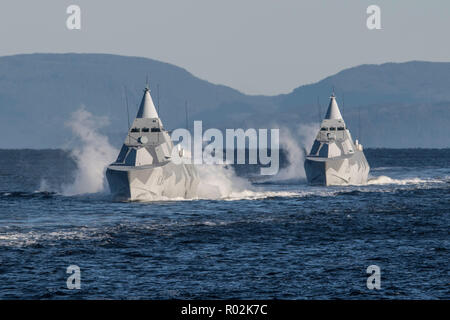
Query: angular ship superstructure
(144, 170)
(334, 158)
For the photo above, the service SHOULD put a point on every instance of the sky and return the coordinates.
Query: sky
(256, 46)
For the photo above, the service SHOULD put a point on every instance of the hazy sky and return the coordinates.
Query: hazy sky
(256, 46)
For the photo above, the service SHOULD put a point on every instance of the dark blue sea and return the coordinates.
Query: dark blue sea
(278, 239)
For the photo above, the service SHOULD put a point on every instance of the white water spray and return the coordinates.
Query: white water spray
(219, 181)
(92, 153)
(295, 144)
(385, 180)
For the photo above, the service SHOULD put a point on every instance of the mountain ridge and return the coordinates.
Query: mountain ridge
(400, 104)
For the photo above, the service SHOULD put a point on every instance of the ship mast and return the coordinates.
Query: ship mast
(128, 113)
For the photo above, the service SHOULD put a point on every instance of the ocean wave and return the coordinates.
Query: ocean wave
(32, 238)
(26, 194)
(232, 196)
(383, 180)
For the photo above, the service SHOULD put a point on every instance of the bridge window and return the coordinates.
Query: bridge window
(145, 130)
(341, 128)
(135, 130)
(324, 129)
(332, 129)
(156, 130)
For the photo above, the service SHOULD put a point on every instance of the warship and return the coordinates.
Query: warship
(334, 158)
(143, 169)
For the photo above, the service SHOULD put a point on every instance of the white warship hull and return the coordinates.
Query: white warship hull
(130, 183)
(343, 170)
(144, 169)
(334, 158)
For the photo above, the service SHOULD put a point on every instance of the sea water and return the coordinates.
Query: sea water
(251, 238)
